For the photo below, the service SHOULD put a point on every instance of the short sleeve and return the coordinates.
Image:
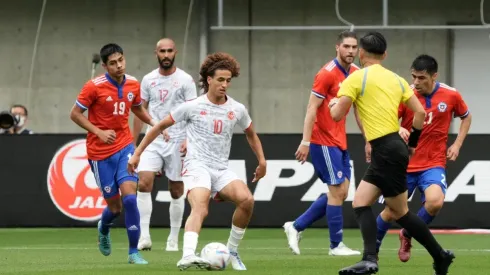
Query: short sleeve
(352, 86)
(321, 85)
(460, 108)
(407, 91)
(190, 91)
(137, 96)
(245, 120)
(145, 89)
(87, 96)
(181, 113)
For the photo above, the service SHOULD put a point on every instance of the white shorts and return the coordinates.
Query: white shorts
(163, 155)
(195, 174)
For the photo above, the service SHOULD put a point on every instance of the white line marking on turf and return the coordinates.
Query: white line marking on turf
(242, 248)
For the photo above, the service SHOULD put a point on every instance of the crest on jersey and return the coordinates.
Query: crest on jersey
(130, 96)
(442, 107)
(339, 174)
(231, 115)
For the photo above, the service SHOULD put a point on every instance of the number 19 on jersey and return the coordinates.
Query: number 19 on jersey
(119, 108)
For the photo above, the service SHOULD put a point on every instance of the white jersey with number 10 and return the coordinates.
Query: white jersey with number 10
(210, 129)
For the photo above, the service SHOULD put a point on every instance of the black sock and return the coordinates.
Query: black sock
(420, 232)
(367, 223)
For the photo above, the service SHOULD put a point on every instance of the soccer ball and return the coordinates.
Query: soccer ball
(217, 254)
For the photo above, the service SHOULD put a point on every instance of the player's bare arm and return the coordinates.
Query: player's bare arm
(138, 124)
(149, 137)
(256, 145)
(367, 147)
(143, 115)
(304, 147)
(339, 107)
(77, 116)
(453, 151)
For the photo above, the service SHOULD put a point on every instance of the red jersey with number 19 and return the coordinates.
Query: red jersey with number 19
(440, 107)
(327, 82)
(108, 105)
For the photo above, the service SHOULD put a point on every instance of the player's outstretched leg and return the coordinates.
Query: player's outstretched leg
(103, 226)
(198, 198)
(294, 230)
(145, 207)
(237, 192)
(176, 213)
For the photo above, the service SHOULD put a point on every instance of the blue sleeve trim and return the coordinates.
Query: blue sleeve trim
(318, 94)
(81, 105)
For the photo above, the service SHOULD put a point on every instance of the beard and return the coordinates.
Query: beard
(344, 59)
(163, 66)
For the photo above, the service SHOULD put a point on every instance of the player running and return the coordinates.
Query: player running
(162, 90)
(108, 99)
(211, 119)
(328, 150)
(426, 169)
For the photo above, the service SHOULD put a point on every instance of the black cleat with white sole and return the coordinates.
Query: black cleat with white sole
(362, 267)
(442, 267)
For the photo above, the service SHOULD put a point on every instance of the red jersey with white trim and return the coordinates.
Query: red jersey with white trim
(440, 107)
(108, 105)
(327, 82)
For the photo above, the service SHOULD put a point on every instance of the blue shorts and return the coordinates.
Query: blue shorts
(423, 179)
(111, 172)
(331, 164)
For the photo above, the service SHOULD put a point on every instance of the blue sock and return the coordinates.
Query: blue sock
(132, 219)
(382, 230)
(335, 221)
(107, 218)
(316, 211)
(423, 215)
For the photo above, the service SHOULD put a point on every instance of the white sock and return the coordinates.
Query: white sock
(145, 207)
(236, 235)
(190, 243)
(176, 211)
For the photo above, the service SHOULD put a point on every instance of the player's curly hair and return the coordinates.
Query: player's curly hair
(217, 61)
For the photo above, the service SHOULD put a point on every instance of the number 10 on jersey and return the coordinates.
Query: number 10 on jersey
(218, 126)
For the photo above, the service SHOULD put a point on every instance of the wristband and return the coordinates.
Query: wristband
(305, 143)
(413, 140)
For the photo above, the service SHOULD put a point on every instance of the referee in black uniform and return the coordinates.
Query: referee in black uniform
(377, 93)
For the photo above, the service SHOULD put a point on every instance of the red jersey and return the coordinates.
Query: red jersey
(108, 105)
(440, 106)
(327, 82)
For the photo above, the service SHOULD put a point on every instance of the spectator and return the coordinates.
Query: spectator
(20, 113)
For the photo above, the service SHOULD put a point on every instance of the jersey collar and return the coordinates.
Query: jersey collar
(340, 67)
(429, 97)
(113, 82)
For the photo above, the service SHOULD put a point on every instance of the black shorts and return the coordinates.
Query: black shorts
(389, 162)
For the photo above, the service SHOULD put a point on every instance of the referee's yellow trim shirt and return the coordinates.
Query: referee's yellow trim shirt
(377, 93)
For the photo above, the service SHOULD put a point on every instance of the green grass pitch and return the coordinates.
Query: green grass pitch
(264, 251)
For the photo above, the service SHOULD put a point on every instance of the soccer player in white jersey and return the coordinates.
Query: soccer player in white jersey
(162, 90)
(211, 119)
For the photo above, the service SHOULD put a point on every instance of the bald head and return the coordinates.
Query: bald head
(165, 43)
(165, 51)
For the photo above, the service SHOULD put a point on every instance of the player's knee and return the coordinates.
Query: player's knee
(201, 212)
(176, 189)
(434, 205)
(130, 202)
(247, 202)
(387, 215)
(145, 183)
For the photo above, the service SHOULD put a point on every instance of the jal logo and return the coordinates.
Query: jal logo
(71, 183)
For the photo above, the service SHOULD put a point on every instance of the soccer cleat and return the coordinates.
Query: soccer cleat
(104, 241)
(144, 244)
(236, 262)
(172, 245)
(442, 267)
(135, 258)
(193, 261)
(293, 236)
(405, 246)
(362, 267)
(343, 250)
